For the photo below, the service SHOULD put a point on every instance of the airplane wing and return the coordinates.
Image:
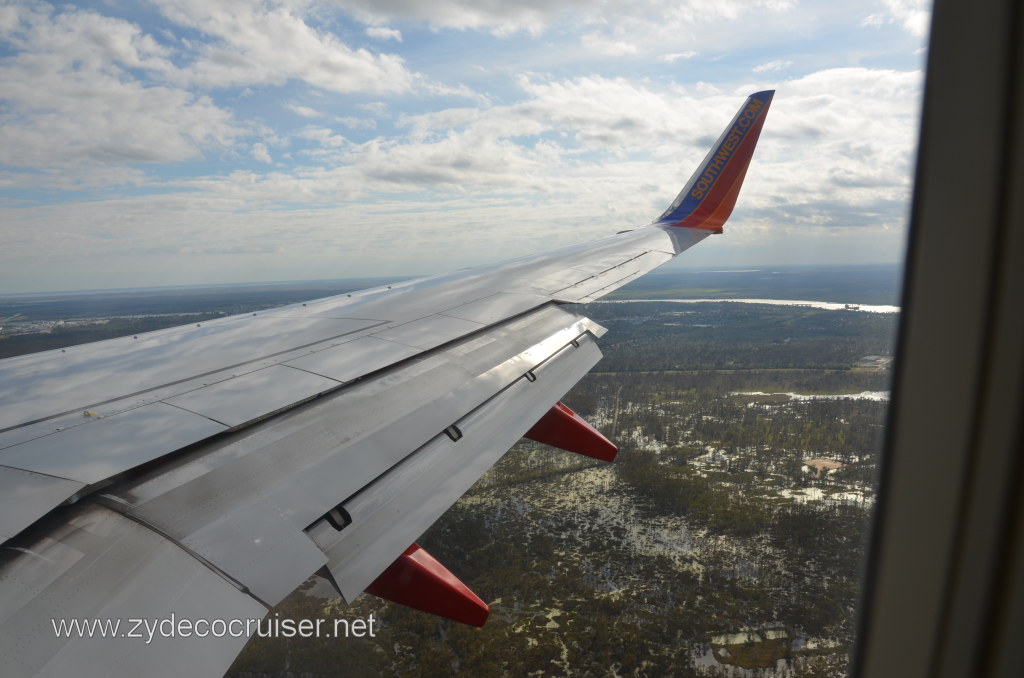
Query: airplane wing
(200, 474)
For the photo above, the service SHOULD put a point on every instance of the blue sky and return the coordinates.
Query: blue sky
(206, 141)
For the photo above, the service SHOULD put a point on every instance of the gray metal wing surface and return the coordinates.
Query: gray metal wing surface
(208, 470)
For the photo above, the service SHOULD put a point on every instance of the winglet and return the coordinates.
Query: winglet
(710, 194)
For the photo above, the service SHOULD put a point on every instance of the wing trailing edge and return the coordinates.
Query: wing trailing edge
(709, 196)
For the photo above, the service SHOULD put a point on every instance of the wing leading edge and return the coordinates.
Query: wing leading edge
(245, 454)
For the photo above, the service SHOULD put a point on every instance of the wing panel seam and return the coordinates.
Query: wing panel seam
(366, 330)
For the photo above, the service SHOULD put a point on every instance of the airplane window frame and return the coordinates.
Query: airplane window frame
(944, 588)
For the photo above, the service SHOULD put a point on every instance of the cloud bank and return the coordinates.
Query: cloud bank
(305, 139)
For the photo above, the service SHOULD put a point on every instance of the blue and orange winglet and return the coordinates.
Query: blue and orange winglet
(710, 194)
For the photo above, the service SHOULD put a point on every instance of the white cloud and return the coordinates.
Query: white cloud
(835, 153)
(260, 152)
(642, 25)
(597, 42)
(75, 178)
(838, 150)
(384, 33)
(70, 98)
(535, 16)
(707, 88)
(777, 65)
(271, 44)
(502, 18)
(304, 111)
(413, 177)
(323, 136)
(874, 20)
(353, 122)
(676, 56)
(378, 108)
(81, 89)
(913, 15)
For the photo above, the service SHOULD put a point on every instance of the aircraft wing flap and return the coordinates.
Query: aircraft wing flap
(309, 459)
(88, 563)
(256, 546)
(395, 509)
(28, 497)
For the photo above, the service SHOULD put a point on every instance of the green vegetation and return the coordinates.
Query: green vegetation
(654, 336)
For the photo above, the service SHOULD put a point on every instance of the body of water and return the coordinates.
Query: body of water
(827, 305)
